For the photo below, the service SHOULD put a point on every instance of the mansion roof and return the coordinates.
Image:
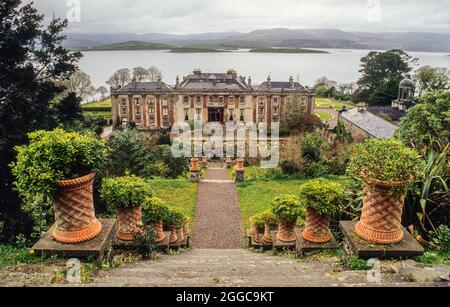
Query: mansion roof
(215, 82)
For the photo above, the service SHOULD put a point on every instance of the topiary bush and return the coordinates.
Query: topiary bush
(324, 196)
(125, 192)
(287, 208)
(258, 221)
(174, 218)
(268, 217)
(55, 155)
(385, 160)
(154, 210)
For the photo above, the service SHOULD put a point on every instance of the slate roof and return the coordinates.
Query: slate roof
(278, 86)
(213, 82)
(370, 123)
(145, 86)
(394, 113)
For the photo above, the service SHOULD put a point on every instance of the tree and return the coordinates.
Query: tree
(140, 74)
(120, 78)
(431, 78)
(154, 74)
(380, 67)
(80, 84)
(297, 119)
(427, 124)
(384, 93)
(325, 81)
(103, 91)
(33, 63)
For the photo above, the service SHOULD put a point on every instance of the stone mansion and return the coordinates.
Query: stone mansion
(209, 97)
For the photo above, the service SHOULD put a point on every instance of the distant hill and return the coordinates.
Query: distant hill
(278, 37)
(131, 45)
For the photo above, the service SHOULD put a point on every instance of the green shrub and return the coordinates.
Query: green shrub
(323, 195)
(125, 192)
(258, 221)
(153, 210)
(386, 160)
(442, 240)
(269, 218)
(174, 218)
(56, 155)
(356, 264)
(287, 208)
(288, 167)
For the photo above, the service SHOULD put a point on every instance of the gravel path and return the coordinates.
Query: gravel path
(218, 217)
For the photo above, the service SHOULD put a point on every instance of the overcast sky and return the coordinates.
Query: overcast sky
(196, 16)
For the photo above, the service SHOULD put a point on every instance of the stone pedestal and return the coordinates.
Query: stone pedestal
(279, 245)
(195, 175)
(240, 175)
(407, 248)
(99, 247)
(251, 243)
(304, 246)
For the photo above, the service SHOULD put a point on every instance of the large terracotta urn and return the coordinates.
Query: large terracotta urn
(286, 232)
(267, 238)
(381, 213)
(186, 227)
(173, 235)
(240, 164)
(130, 223)
(317, 228)
(74, 211)
(194, 165)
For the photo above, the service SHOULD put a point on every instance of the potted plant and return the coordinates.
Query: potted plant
(258, 224)
(126, 195)
(154, 211)
(194, 164)
(61, 165)
(186, 226)
(270, 224)
(239, 164)
(387, 168)
(322, 198)
(287, 208)
(174, 222)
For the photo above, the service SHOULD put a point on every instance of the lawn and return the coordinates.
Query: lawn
(256, 196)
(333, 104)
(98, 104)
(177, 192)
(324, 116)
(98, 115)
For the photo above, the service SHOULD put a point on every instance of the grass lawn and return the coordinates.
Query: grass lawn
(98, 104)
(98, 115)
(324, 116)
(13, 256)
(334, 104)
(177, 192)
(256, 196)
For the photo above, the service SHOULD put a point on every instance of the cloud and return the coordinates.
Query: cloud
(194, 16)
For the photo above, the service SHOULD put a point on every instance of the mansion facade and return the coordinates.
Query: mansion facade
(208, 97)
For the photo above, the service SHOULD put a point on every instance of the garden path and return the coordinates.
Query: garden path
(218, 218)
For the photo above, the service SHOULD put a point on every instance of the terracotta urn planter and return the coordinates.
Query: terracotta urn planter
(381, 213)
(186, 227)
(286, 232)
(194, 164)
(204, 160)
(180, 233)
(240, 164)
(267, 238)
(159, 232)
(74, 211)
(173, 235)
(253, 231)
(130, 223)
(317, 228)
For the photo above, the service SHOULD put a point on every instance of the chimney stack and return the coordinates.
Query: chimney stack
(177, 83)
(291, 81)
(269, 82)
(249, 82)
(158, 82)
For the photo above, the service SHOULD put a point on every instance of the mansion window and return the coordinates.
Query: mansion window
(186, 99)
(275, 111)
(242, 100)
(164, 102)
(198, 113)
(151, 112)
(123, 107)
(275, 101)
(186, 115)
(137, 110)
(165, 111)
(151, 121)
(231, 99)
(261, 102)
(198, 99)
(221, 100)
(231, 111)
(241, 117)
